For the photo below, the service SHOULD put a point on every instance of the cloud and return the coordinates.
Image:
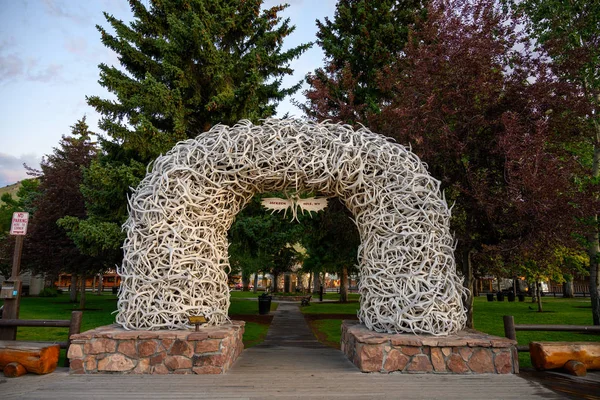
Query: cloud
(12, 170)
(11, 66)
(76, 45)
(7, 42)
(59, 9)
(51, 73)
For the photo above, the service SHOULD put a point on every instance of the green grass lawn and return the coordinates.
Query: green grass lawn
(488, 319)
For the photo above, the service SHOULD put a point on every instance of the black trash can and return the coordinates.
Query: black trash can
(490, 296)
(521, 297)
(500, 296)
(511, 296)
(115, 290)
(264, 304)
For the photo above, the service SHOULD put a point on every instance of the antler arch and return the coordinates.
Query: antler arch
(176, 258)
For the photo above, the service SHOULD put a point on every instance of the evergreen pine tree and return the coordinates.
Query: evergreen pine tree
(364, 37)
(186, 66)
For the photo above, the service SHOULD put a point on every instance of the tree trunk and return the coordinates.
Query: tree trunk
(245, 282)
(593, 239)
(255, 282)
(275, 282)
(100, 283)
(515, 289)
(316, 283)
(344, 285)
(498, 278)
(534, 292)
(568, 290)
(467, 268)
(310, 281)
(82, 294)
(539, 296)
(73, 289)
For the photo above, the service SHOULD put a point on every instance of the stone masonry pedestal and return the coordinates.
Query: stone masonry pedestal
(467, 352)
(112, 349)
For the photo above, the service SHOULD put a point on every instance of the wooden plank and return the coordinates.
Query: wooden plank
(51, 323)
(558, 328)
(35, 357)
(552, 355)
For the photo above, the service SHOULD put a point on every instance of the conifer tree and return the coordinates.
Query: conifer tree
(364, 37)
(186, 66)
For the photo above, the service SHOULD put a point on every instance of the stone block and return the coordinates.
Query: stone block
(183, 372)
(370, 358)
(405, 340)
(165, 344)
(147, 347)
(437, 360)
(207, 369)
(218, 334)
(90, 363)
(182, 348)
(456, 364)
(76, 365)
(160, 369)
(115, 363)
(146, 335)
(410, 350)
(207, 346)
(395, 361)
(465, 352)
(216, 360)
(127, 347)
(481, 361)
(420, 363)
(142, 367)
(503, 362)
(177, 362)
(198, 336)
(100, 346)
(75, 351)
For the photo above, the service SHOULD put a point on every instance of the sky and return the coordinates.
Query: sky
(49, 56)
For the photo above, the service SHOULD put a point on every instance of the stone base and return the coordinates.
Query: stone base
(112, 349)
(467, 352)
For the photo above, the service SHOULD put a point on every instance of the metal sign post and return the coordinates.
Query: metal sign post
(11, 288)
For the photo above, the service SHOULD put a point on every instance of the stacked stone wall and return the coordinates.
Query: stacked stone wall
(462, 353)
(112, 349)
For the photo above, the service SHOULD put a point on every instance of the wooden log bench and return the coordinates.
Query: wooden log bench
(306, 301)
(573, 357)
(18, 357)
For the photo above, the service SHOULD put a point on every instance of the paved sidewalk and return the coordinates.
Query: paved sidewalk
(289, 364)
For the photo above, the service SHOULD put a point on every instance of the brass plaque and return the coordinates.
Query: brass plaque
(197, 319)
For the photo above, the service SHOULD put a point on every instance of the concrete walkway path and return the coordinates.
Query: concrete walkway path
(289, 364)
(291, 347)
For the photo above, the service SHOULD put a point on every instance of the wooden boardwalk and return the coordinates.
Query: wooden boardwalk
(290, 364)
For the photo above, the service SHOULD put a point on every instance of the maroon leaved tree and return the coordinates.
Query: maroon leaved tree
(495, 126)
(47, 248)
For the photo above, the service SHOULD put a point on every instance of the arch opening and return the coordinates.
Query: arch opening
(175, 255)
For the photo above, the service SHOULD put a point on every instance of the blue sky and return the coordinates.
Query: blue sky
(49, 56)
